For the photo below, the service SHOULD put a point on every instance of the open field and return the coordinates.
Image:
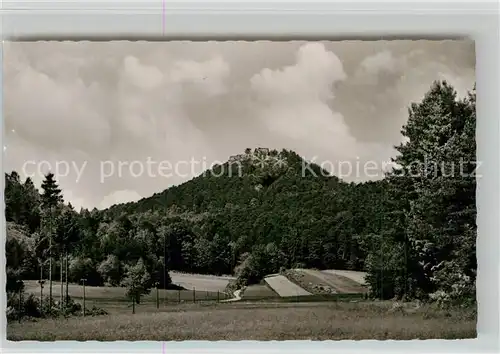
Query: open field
(358, 277)
(318, 282)
(117, 294)
(258, 291)
(284, 287)
(254, 321)
(200, 281)
(205, 287)
(306, 285)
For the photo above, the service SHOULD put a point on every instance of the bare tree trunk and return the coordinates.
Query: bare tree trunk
(61, 268)
(67, 283)
(41, 287)
(50, 259)
(50, 273)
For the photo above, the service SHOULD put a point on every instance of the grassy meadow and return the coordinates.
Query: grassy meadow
(254, 321)
(260, 314)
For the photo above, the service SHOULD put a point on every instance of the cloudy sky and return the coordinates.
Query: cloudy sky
(96, 113)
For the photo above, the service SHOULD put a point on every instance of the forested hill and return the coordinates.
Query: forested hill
(263, 211)
(265, 196)
(271, 199)
(245, 179)
(261, 202)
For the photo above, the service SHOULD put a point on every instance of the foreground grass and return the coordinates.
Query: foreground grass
(255, 321)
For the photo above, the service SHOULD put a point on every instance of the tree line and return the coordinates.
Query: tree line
(414, 231)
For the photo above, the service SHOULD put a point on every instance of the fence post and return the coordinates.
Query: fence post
(20, 282)
(217, 295)
(179, 295)
(41, 296)
(157, 296)
(194, 295)
(83, 281)
(20, 306)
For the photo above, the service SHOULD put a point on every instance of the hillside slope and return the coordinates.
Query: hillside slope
(273, 206)
(268, 199)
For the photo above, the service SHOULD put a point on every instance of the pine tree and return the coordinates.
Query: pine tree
(51, 199)
(31, 206)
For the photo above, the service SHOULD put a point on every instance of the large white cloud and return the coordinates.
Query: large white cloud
(298, 103)
(79, 106)
(58, 117)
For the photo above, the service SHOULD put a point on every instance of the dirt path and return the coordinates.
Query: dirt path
(236, 297)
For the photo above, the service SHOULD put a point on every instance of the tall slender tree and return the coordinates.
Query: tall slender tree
(51, 199)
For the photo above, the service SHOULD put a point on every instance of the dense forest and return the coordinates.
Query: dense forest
(414, 231)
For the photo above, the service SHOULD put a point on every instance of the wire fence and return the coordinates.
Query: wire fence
(90, 300)
(160, 300)
(32, 300)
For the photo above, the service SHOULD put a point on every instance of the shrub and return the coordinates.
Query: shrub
(96, 311)
(262, 261)
(13, 283)
(110, 270)
(84, 268)
(455, 287)
(30, 307)
(27, 306)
